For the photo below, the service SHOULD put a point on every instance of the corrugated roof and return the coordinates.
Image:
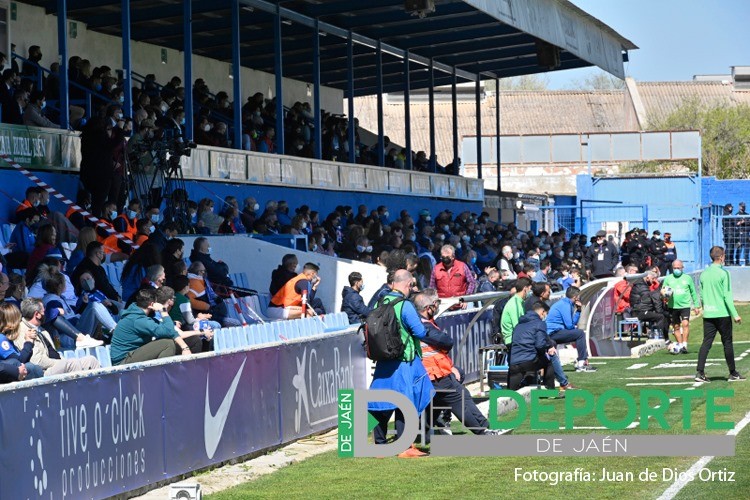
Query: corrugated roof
(522, 113)
(541, 112)
(662, 98)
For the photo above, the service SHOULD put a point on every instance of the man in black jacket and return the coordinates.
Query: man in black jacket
(286, 271)
(532, 349)
(352, 303)
(92, 263)
(217, 271)
(657, 249)
(601, 257)
(729, 228)
(647, 304)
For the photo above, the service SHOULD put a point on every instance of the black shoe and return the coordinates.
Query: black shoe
(736, 377)
(684, 350)
(701, 377)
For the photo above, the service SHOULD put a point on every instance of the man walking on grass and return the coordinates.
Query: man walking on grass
(718, 313)
(679, 303)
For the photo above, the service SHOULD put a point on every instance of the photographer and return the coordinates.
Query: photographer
(561, 326)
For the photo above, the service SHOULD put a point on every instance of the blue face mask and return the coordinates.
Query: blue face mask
(473, 260)
(98, 87)
(677, 273)
(132, 214)
(44, 104)
(155, 218)
(121, 99)
(194, 218)
(182, 122)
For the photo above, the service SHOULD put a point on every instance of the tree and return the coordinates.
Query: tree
(599, 80)
(725, 134)
(525, 82)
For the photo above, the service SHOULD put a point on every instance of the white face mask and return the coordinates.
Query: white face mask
(256, 207)
(368, 249)
(206, 128)
(361, 249)
(323, 241)
(314, 248)
(298, 268)
(304, 225)
(208, 251)
(516, 255)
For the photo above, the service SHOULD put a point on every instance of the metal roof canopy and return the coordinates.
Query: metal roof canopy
(480, 38)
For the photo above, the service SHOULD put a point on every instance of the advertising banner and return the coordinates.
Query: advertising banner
(35, 148)
(109, 433)
(465, 351)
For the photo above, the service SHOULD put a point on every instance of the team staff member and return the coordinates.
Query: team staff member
(601, 257)
(680, 302)
(718, 313)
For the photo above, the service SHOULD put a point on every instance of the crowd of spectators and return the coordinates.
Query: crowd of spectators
(24, 94)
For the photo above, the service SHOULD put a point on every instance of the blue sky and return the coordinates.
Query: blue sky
(676, 38)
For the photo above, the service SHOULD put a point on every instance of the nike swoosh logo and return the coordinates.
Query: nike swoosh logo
(213, 425)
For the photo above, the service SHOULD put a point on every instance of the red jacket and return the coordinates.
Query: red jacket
(453, 282)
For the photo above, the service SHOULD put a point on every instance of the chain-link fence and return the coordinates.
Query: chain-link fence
(733, 233)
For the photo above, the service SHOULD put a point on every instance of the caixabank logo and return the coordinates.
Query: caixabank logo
(646, 411)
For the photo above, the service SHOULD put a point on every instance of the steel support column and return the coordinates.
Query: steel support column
(236, 76)
(497, 131)
(407, 112)
(277, 68)
(318, 135)
(187, 48)
(126, 62)
(62, 46)
(379, 78)
(478, 102)
(454, 105)
(350, 89)
(431, 95)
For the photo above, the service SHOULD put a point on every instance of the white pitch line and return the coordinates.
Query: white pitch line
(664, 377)
(677, 486)
(657, 383)
(632, 425)
(636, 366)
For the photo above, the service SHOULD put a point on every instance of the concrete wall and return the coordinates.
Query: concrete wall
(33, 27)
(258, 259)
(721, 192)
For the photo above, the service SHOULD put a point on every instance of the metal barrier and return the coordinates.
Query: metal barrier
(108, 432)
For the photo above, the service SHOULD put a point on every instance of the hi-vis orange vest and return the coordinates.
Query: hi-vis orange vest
(109, 241)
(437, 363)
(130, 228)
(287, 295)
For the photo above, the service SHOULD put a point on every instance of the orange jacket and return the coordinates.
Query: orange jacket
(197, 294)
(287, 296)
(436, 361)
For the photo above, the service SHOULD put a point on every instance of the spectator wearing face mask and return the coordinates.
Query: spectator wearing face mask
(211, 221)
(288, 269)
(217, 272)
(33, 115)
(352, 303)
(601, 257)
(451, 277)
(506, 262)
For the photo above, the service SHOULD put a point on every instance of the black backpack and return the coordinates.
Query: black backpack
(382, 332)
(497, 314)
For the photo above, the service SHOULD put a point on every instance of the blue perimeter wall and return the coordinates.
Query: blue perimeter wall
(672, 202)
(13, 185)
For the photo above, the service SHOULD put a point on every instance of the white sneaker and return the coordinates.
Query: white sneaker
(88, 342)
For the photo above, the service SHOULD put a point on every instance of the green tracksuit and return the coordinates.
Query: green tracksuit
(511, 314)
(716, 292)
(683, 296)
